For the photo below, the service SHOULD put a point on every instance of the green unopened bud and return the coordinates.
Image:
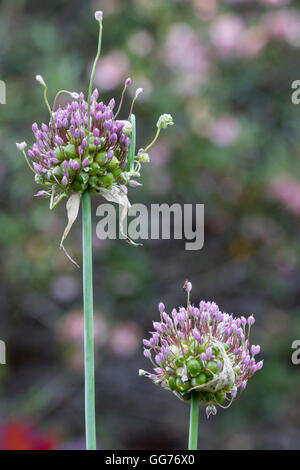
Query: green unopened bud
(199, 380)
(70, 151)
(164, 121)
(172, 382)
(194, 367)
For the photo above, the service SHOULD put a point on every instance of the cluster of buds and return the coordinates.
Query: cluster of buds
(69, 156)
(84, 146)
(202, 349)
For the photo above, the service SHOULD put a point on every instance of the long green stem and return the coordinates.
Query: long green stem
(194, 421)
(89, 368)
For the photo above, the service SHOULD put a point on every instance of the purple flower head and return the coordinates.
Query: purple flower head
(202, 349)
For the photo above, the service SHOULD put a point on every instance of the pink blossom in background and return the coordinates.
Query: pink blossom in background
(205, 10)
(224, 131)
(253, 41)
(71, 328)
(125, 338)
(111, 71)
(184, 50)
(275, 3)
(287, 191)
(226, 34)
(283, 24)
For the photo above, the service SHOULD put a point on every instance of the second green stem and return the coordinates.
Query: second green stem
(89, 368)
(194, 421)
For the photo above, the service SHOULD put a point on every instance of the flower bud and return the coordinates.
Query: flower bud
(21, 146)
(40, 79)
(164, 121)
(99, 15)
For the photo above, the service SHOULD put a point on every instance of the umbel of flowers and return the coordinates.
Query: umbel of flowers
(84, 147)
(69, 155)
(202, 349)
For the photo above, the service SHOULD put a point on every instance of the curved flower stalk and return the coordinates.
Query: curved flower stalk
(82, 150)
(201, 355)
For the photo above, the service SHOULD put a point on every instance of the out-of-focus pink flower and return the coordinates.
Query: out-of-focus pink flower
(140, 43)
(111, 71)
(71, 328)
(253, 41)
(224, 131)
(287, 191)
(226, 34)
(284, 24)
(125, 338)
(275, 3)
(205, 10)
(184, 50)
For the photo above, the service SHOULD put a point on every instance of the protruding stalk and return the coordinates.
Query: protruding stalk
(89, 368)
(99, 19)
(194, 421)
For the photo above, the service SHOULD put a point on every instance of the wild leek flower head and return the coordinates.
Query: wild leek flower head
(84, 146)
(202, 349)
(73, 158)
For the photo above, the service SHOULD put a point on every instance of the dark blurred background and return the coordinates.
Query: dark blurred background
(224, 70)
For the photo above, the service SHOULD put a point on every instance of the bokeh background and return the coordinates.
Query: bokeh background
(224, 70)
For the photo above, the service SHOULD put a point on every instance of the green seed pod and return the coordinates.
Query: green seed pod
(92, 148)
(94, 169)
(113, 164)
(199, 380)
(82, 177)
(107, 179)
(172, 382)
(117, 172)
(194, 367)
(237, 370)
(213, 366)
(78, 187)
(93, 181)
(70, 151)
(220, 396)
(178, 362)
(101, 158)
(182, 386)
(180, 371)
